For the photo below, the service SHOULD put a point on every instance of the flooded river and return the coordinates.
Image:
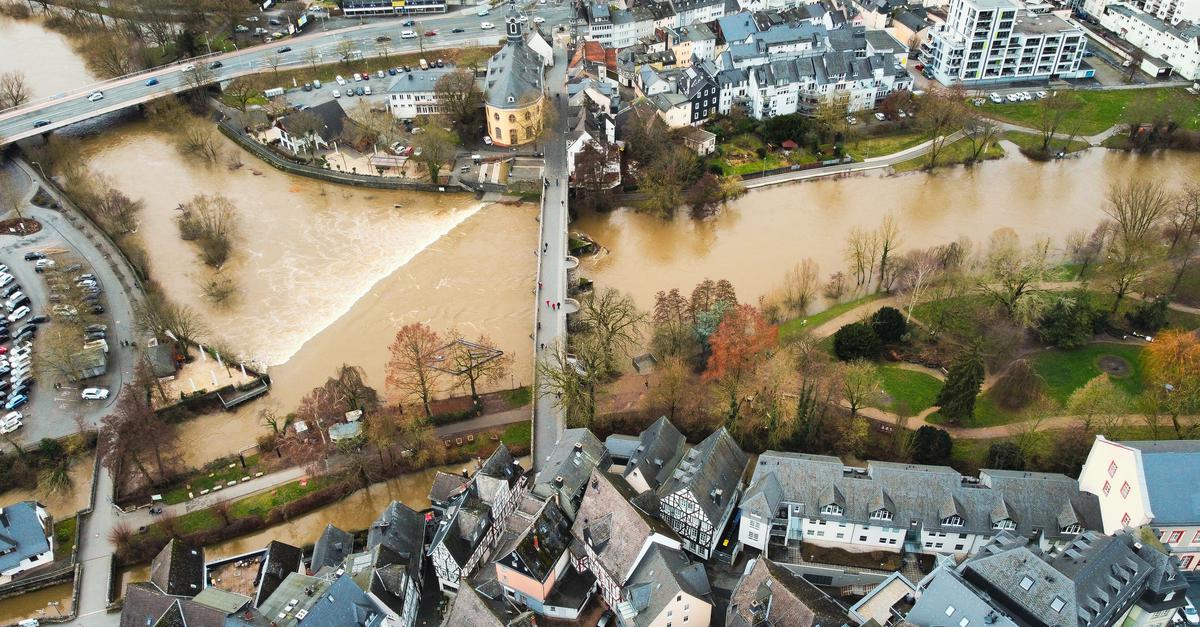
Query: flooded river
(45, 603)
(764, 233)
(327, 273)
(62, 505)
(46, 57)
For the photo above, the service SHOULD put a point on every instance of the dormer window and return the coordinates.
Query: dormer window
(1007, 523)
(881, 514)
(832, 509)
(953, 520)
(1075, 528)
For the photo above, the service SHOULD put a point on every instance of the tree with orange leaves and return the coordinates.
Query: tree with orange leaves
(1172, 364)
(412, 368)
(739, 346)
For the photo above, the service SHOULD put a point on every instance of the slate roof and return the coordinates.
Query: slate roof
(500, 468)
(331, 115)
(402, 531)
(736, 27)
(661, 575)
(1172, 472)
(711, 471)
(145, 604)
(22, 534)
(344, 604)
(948, 599)
(178, 569)
(419, 81)
(445, 486)
(912, 21)
(923, 494)
(331, 548)
(515, 72)
(222, 600)
(535, 549)
(610, 523)
(463, 527)
(280, 560)
(659, 449)
(575, 454)
(468, 608)
(791, 599)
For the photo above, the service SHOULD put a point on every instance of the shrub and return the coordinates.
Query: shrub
(856, 340)
(1018, 386)
(889, 324)
(931, 445)
(1070, 322)
(1005, 456)
(1149, 316)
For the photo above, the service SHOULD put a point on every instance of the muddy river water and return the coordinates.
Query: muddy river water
(49, 63)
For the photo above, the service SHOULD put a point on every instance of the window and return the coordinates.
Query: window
(1176, 536)
(512, 117)
(1107, 488)
(1125, 490)
(862, 538)
(881, 514)
(1057, 604)
(1196, 538)
(753, 536)
(1125, 520)
(1185, 563)
(1026, 583)
(963, 622)
(832, 509)
(949, 610)
(496, 116)
(1112, 468)
(954, 520)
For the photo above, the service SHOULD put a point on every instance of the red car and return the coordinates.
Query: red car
(430, 33)
(3, 350)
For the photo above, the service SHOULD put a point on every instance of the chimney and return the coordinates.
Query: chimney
(535, 543)
(558, 481)
(579, 447)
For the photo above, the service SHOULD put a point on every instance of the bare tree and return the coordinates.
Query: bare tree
(14, 91)
(860, 382)
(477, 361)
(861, 252)
(1185, 231)
(571, 379)
(800, 287)
(210, 221)
(345, 50)
(612, 319)
(915, 272)
(240, 91)
(1086, 249)
(312, 57)
(941, 115)
(981, 132)
(458, 96)
(1136, 208)
(273, 61)
(411, 369)
(1011, 272)
(888, 236)
(160, 317)
(437, 146)
(1054, 111)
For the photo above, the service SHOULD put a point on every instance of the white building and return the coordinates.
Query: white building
(995, 41)
(413, 93)
(1155, 483)
(795, 498)
(1178, 46)
(1170, 11)
(802, 85)
(26, 539)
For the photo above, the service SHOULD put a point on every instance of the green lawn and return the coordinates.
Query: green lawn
(64, 537)
(954, 154)
(1099, 110)
(204, 481)
(199, 520)
(915, 390)
(518, 433)
(260, 504)
(739, 156)
(1030, 141)
(797, 325)
(987, 414)
(1067, 371)
(519, 397)
(868, 147)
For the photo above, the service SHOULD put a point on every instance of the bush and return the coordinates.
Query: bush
(1149, 316)
(889, 324)
(1005, 456)
(856, 340)
(1018, 386)
(931, 446)
(1070, 322)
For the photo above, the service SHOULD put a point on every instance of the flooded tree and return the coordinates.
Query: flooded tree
(14, 90)
(161, 317)
(1012, 273)
(941, 115)
(1053, 112)
(135, 435)
(412, 370)
(211, 222)
(1137, 209)
(613, 322)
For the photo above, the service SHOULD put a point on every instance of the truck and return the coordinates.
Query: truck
(101, 344)
(273, 92)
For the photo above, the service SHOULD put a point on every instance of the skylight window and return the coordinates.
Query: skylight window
(1057, 604)
(1026, 583)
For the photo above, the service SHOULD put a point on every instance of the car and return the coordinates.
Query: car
(382, 38)
(379, 74)
(41, 123)
(152, 82)
(13, 416)
(97, 309)
(440, 63)
(94, 335)
(34, 256)
(391, 71)
(430, 33)
(24, 300)
(539, 20)
(1041, 94)
(241, 28)
(357, 77)
(1013, 97)
(337, 94)
(307, 87)
(407, 23)
(458, 30)
(95, 327)
(523, 19)
(10, 290)
(83, 281)
(5, 279)
(406, 68)
(851, 120)
(1189, 612)
(24, 335)
(40, 319)
(284, 49)
(16, 401)
(9, 428)
(487, 26)
(408, 35)
(995, 97)
(75, 267)
(252, 18)
(216, 65)
(487, 140)
(366, 90)
(94, 394)
(360, 91)
(3, 350)
(273, 21)
(96, 95)
(191, 67)
(879, 116)
(44, 263)
(18, 314)
(28, 327)
(339, 79)
(65, 310)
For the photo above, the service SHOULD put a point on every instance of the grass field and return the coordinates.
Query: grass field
(1030, 141)
(954, 154)
(1067, 371)
(868, 147)
(64, 537)
(1099, 110)
(909, 389)
(260, 504)
(206, 481)
(798, 325)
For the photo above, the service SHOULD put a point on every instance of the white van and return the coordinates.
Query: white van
(337, 94)
(408, 35)
(484, 11)
(101, 344)
(487, 26)
(367, 90)
(339, 79)
(424, 64)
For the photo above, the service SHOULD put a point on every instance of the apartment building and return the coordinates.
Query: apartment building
(804, 84)
(413, 93)
(1176, 45)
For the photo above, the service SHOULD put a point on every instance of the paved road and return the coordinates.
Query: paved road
(73, 106)
(552, 269)
(873, 163)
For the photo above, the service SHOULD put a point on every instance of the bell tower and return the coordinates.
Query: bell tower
(513, 23)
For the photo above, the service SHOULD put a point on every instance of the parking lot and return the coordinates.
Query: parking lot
(53, 411)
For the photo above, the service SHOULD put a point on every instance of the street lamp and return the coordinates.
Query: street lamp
(207, 44)
(39, 167)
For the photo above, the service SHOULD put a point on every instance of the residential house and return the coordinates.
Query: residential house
(733, 86)
(699, 140)
(144, 604)
(593, 128)
(886, 602)
(666, 589)
(615, 527)
(696, 42)
(469, 607)
(1152, 482)
(768, 594)
(911, 27)
(795, 498)
(1095, 581)
(691, 11)
(594, 59)
(467, 533)
(415, 93)
(533, 563)
(444, 488)
(658, 451)
(683, 95)
(390, 571)
(26, 539)
(330, 598)
(312, 129)
(803, 85)
(279, 561)
(1176, 45)
(700, 496)
(675, 109)
(996, 41)
(565, 473)
(331, 548)
(178, 569)
(1172, 12)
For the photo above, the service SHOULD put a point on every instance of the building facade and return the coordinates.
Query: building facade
(703, 492)
(366, 8)
(1177, 45)
(513, 96)
(413, 93)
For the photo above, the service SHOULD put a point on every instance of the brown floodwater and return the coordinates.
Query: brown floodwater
(757, 238)
(62, 505)
(50, 65)
(36, 604)
(326, 273)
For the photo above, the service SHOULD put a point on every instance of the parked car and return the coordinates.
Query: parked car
(96, 95)
(284, 49)
(407, 23)
(40, 319)
(215, 65)
(487, 140)
(539, 20)
(13, 416)
(16, 401)
(43, 263)
(97, 309)
(94, 394)
(18, 314)
(879, 116)
(34, 256)
(1189, 613)
(9, 428)
(95, 327)
(337, 94)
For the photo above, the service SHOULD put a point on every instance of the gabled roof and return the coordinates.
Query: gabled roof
(661, 575)
(1172, 471)
(402, 531)
(468, 608)
(659, 449)
(22, 534)
(281, 560)
(575, 454)
(535, 549)
(344, 604)
(445, 486)
(613, 526)
(146, 604)
(463, 527)
(770, 592)
(514, 76)
(178, 569)
(331, 548)
(711, 471)
(330, 114)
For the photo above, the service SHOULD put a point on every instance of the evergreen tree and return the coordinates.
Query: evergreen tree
(957, 397)
(889, 324)
(856, 340)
